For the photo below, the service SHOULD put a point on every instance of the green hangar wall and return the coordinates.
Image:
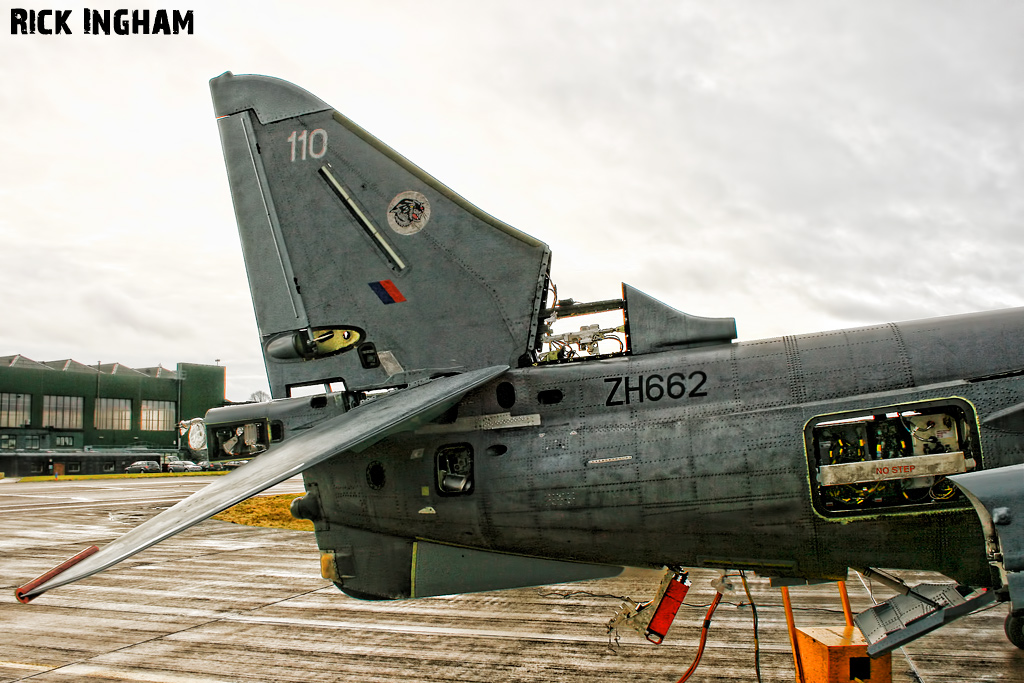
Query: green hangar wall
(87, 418)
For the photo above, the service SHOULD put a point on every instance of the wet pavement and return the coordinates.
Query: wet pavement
(223, 603)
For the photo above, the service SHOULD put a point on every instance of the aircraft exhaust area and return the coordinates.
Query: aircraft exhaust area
(222, 602)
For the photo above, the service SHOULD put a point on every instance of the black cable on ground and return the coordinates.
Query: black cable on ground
(626, 598)
(753, 610)
(588, 594)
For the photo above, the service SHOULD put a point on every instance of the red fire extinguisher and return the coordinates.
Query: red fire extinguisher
(665, 612)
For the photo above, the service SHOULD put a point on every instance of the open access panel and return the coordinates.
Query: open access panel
(891, 457)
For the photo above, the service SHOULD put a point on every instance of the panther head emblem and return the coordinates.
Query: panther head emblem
(408, 213)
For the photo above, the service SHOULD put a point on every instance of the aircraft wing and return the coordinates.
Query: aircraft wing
(360, 427)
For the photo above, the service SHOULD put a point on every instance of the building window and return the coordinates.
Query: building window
(31, 442)
(62, 412)
(74, 467)
(64, 441)
(15, 410)
(158, 416)
(113, 413)
(108, 466)
(36, 468)
(8, 442)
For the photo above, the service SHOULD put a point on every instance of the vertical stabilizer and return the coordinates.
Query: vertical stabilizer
(362, 267)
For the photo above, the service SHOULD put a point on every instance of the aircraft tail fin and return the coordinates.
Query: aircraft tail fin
(362, 267)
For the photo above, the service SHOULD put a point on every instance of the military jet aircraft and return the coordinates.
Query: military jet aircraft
(457, 442)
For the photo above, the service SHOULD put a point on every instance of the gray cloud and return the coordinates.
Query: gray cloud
(803, 165)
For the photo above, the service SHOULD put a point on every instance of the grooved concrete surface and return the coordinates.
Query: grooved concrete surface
(223, 603)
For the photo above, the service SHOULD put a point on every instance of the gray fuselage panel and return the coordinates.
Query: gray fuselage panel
(683, 457)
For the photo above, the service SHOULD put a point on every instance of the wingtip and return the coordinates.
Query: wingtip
(25, 594)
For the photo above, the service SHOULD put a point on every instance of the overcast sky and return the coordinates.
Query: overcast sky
(797, 165)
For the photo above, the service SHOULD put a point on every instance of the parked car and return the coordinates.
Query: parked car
(190, 466)
(142, 466)
(207, 466)
(234, 464)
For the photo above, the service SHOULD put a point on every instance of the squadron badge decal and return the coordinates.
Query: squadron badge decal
(408, 213)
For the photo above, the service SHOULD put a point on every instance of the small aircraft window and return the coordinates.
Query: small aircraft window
(506, 395)
(375, 476)
(247, 439)
(454, 467)
(368, 355)
(550, 397)
(891, 458)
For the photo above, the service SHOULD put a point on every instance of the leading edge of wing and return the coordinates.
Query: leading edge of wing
(362, 426)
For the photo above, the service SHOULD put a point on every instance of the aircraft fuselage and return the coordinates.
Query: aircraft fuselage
(695, 457)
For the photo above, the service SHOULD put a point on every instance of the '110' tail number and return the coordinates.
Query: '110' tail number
(655, 387)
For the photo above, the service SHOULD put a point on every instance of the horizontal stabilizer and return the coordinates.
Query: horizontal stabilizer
(362, 426)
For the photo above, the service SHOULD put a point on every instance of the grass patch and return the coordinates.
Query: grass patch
(268, 511)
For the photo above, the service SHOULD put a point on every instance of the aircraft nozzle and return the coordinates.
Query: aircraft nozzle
(306, 507)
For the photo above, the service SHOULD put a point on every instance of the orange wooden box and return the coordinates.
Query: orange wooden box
(839, 654)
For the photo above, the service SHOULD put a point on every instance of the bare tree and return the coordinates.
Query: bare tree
(259, 396)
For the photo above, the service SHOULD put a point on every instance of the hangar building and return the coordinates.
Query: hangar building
(65, 417)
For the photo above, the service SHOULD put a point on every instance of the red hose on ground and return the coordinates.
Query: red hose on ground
(703, 638)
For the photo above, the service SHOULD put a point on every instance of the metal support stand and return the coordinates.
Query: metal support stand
(791, 625)
(833, 654)
(845, 598)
